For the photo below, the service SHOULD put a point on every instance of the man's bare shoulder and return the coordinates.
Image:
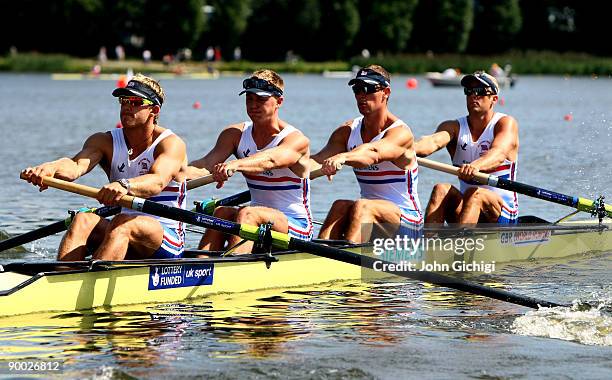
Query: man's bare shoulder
(449, 126)
(344, 128)
(505, 123)
(507, 120)
(100, 139)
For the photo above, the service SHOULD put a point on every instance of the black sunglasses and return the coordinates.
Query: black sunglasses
(261, 84)
(478, 91)
(366, 88)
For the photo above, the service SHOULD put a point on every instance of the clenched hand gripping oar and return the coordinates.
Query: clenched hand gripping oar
(104, 212)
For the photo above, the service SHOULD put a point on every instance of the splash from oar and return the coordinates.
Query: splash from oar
(590, 326)
(16, 249)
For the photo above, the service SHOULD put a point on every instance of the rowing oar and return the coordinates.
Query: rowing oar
(104, 212)
(284, 241)
(208, 206)
(579, 203)
(53, 228)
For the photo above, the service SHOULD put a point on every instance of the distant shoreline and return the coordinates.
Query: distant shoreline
(521, 62)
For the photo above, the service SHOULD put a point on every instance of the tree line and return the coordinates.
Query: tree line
(315, 30)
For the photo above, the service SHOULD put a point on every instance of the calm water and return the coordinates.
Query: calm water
(347, 331)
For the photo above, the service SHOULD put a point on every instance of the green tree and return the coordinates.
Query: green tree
(443, 26)
(52, 26)
(386, 25)
(227, 24)
(168, 26)
(339, 25)
(496, 25)
(279, 26)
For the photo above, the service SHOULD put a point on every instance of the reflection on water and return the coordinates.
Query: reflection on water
(276, 325)
(258, 324)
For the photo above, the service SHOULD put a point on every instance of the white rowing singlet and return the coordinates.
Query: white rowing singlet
(468, 151)
(174, 194)
(279, 189)
(387, 181)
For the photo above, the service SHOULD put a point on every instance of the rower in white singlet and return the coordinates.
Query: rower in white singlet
(141, 159)
(385, 180)
(469, 151)
(274, 158)
(173, 195)
(378, 145)
(483, 141)
(281, 188)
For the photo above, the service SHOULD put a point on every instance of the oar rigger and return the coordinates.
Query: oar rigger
(599, 209)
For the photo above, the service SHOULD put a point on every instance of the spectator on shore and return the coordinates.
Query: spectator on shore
(167, 59)
(210, 54)
(237, 53)
(102, 58)
(146, 56)
(119, 52)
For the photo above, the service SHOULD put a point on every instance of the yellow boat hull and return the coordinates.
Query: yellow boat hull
(27, 291)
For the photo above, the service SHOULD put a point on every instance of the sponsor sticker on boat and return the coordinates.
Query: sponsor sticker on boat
(180, 276)
(525, 237)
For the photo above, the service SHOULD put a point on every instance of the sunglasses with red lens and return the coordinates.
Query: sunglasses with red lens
(135, 101)
(365, 88)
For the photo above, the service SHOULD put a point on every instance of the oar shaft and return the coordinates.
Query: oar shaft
(208, 179)
(579, 203)
(32, 235)
(50, 229)
(424, 276)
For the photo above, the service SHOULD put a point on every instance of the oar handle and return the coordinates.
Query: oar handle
(88, 191)
(450, 169)
(201, 181)
(582, 204)
(208, 179)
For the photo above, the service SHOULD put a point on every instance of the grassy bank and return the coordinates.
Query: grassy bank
(522, 63)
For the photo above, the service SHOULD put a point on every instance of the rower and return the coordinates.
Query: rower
(141, 159)
(274, 158)
(483, 141)
(378, 145)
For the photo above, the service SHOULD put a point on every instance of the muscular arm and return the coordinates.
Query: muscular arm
(391, 147)
(444, 134)
(335, 145)
(504, 144)
(291, 149)
(224, 147)
(170, 158)
(70, 169)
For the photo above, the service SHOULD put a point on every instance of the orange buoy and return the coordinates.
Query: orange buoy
(197, 105)
(568, 117)
(122, 81)
(412, 83)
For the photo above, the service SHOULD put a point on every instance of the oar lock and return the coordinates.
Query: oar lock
(73, 213)
(599, 209)
(263, 244)
(206, 206)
